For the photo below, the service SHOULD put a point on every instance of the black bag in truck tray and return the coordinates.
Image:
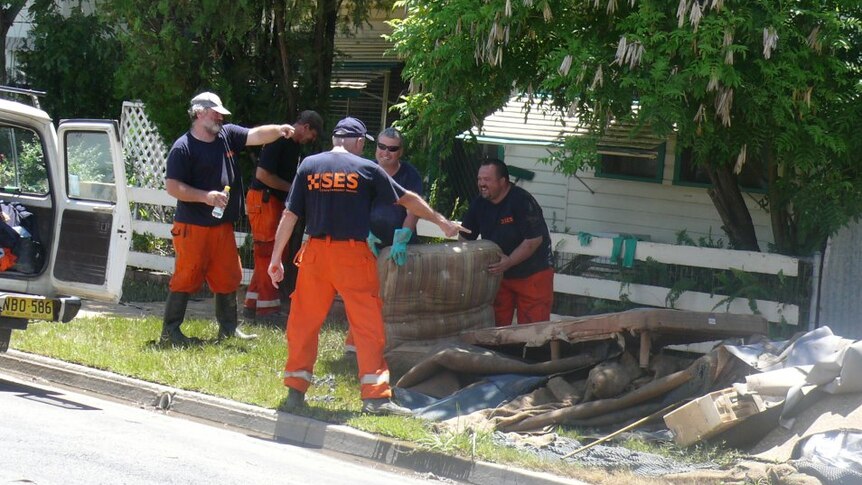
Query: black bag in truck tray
(27, 248)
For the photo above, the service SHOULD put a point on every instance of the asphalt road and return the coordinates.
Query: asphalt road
(50, 435)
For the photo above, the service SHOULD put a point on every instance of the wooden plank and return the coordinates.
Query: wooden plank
(151, 261)
(698, 326)
(750, 261)
(158, 229)
(151, 196)
(646, 345)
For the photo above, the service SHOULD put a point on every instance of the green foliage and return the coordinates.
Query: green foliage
(683, 239)
(440, 198)
(30, 174)
(74, 60)
(733, 81)
(90, 162)
(715, 453)
(148, 243)
(267, 60)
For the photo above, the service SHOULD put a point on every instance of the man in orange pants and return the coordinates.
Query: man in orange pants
(334, 193)
(264, 203)
(200, 164)
(511, 217)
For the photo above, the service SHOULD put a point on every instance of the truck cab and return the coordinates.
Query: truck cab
(63, 191)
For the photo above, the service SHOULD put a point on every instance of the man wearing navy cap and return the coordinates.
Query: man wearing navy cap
(334, 192)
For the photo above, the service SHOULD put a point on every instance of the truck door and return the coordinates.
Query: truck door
(95, 220)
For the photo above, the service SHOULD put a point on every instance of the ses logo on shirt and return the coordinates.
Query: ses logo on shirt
(507, 220)
(333, 181)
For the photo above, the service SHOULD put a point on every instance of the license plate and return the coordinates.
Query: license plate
(23, 307)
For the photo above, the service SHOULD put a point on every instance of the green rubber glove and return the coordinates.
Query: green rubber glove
(398, 253)
(372, 242)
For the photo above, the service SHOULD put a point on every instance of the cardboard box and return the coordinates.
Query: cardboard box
(709, 415)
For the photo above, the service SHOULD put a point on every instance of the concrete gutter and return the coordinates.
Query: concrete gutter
(278, 425)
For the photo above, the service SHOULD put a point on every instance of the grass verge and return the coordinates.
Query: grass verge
(249, 371)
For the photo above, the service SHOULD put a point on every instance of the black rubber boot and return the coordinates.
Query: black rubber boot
(225, 308)
(175, 313)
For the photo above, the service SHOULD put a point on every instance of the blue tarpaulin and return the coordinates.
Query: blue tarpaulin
(485, 394)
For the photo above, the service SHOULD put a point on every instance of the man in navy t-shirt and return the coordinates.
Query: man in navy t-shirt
(201, 163)
(334, 192)
(386, 219)
(511, 217)
(391, 222)
(264, 202)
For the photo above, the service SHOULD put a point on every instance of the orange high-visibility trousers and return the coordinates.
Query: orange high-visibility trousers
(348, 268)
(532, 296)
(263, 217)
(205, 253)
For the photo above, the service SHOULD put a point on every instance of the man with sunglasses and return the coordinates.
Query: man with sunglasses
(392, 223)
(264, 202)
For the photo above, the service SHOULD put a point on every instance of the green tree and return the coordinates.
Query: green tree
(775, 80)
(73, 59)
(266, 59)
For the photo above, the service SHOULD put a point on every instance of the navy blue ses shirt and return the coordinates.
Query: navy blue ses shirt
(334, 191)
(281, 158)
(208, 166)
(517, 217)
(385, 218)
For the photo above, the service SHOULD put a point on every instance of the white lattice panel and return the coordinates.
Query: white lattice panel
(143, 146)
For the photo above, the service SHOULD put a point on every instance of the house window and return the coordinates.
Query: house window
(754, 176)
(631, 163)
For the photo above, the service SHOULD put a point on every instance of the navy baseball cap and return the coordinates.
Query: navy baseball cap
(351, 127)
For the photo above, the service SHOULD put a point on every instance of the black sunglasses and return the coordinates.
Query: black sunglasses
(388, 147)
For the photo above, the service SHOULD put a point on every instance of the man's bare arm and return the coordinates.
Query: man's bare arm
(520, 254)
(282, 236)
(272, 180)
(186, 193)
(261, 135)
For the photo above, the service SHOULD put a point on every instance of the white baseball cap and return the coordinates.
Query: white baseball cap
(210, 100)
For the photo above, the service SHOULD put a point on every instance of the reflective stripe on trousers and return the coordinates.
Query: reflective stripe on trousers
(306, 376)
(348, 268)
(375, 379)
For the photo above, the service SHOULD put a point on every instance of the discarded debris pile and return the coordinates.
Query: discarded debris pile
(591, 371)
(623, 370)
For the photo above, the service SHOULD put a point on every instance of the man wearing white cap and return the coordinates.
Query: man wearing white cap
(201, 163)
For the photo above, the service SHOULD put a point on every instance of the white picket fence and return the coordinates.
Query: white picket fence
(157, 262)
(657, 296)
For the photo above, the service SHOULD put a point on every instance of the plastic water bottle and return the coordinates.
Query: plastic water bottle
(218, 212)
